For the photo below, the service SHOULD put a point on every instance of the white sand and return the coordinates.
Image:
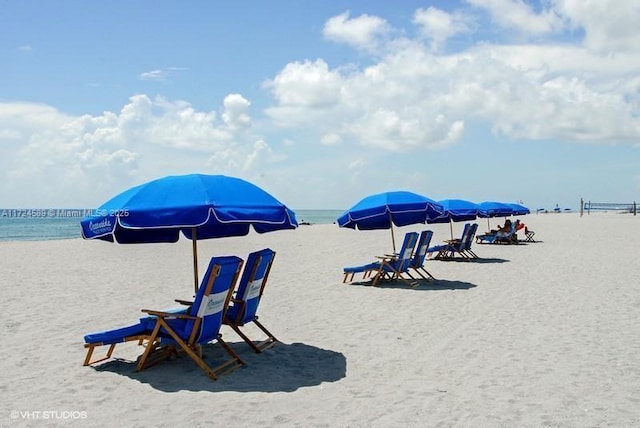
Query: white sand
(544, 334)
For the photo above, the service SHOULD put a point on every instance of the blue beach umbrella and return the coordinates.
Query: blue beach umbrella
(494, 209)
(197, 206)
(383, 210)
(519, 209)
(456, 210)
(490, 209)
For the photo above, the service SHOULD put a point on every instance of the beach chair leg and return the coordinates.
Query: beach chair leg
(259, 346)
(151, 345)
(234, 363)
(91, 348)
(269, 341)
(377, 277)
(198, 360)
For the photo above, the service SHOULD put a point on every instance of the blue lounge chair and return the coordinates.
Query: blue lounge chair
(509, 237)
(419, 256)
(186, 331)
(244, 304)
(451, 247)
(388, 267)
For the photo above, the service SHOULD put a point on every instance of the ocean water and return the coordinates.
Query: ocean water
(38, 225)
(318, 216)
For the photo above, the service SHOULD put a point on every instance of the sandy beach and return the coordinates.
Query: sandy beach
(531, 335)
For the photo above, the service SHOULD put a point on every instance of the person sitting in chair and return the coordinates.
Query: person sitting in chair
(507, 232)
(506, 228)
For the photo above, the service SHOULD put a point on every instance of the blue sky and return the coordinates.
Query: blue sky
(322, 102)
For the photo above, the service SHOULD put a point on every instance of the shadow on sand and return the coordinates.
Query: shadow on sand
(282, 368)
(422, 285)
(478, 260)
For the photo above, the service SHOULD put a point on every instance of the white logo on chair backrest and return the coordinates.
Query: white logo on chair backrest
(253, 289)
(212, 304)
(423, 250)
(407, 253)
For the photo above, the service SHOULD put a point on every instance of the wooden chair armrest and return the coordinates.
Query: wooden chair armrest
(163, 314)
(184, 302)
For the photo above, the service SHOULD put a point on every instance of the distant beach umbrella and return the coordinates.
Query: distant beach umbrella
(383, 210)
(197, 206)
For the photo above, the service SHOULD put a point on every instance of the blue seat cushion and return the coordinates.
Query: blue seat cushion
(116, 335)
(370, 266)
(486, 238)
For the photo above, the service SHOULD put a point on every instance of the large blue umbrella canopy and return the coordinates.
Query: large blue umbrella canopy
(383, 210)
(197, 206)
(456, 210)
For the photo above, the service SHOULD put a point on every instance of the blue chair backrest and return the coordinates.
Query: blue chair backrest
(212, 299)
(458, 246)
(252, 283)
(421, 248)
(404, 259)
(472, 233)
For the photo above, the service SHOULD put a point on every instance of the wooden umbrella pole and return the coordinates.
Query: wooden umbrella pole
(393, 239)
(194, 245)
(451, 227)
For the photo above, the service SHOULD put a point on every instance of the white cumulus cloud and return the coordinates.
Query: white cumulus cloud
(55, 158)
(361, 32)
(438, 25)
